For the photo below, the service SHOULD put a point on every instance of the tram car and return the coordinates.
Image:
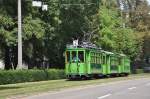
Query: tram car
(89, 61)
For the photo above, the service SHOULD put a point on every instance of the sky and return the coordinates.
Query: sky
(148, 1)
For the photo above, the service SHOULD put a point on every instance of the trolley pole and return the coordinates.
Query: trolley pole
(19, 36)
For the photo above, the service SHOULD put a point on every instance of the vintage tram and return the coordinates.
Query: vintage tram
(88, 61)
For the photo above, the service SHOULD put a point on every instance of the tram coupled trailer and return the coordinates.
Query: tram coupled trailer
(91, 63)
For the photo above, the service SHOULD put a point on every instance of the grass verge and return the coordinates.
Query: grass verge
(55, 85)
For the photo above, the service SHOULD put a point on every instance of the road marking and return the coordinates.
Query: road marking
(131, 88)
(104, 96)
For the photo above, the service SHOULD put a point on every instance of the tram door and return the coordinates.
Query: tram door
(72, 62)
(114, 65)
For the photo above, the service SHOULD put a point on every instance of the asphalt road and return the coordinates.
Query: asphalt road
(130, 89)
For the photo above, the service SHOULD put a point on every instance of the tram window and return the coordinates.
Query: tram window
(112, 61)
(92, 59)
(101, 59)
(97, 60)
(116, 62)
(68, 56)
(120, 61)
(81, 56)
(74, 56)
(104, 62)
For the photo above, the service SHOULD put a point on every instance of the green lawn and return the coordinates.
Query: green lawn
(54, 85)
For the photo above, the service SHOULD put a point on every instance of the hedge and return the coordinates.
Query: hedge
(138, 71)
(20, 76)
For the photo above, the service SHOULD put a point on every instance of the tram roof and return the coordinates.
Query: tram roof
(71, 47)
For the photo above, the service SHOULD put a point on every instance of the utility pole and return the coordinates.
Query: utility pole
(37, 3)
(19, 36)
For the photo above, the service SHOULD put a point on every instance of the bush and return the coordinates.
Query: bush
(20, 76)
(138, 71)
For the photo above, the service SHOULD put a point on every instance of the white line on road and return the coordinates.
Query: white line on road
(104, 96)
(131, 88)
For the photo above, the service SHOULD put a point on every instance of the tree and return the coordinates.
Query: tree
(114, 37)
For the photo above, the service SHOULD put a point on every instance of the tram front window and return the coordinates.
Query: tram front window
(78, 57)
(81, 56)
(68, 56)
(75, 57)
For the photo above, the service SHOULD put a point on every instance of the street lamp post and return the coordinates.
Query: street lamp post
(19, 36)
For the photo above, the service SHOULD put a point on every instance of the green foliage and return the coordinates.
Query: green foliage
(139, 71)
(113, 36)
(20, 76)
(109, 21)
(7, 30)
(33, 27)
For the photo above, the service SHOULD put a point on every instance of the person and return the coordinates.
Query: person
(76, 59)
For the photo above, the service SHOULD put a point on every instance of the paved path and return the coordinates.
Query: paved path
(130, 89)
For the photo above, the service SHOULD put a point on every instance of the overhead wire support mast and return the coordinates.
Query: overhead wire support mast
(19, 66)
(19, 36)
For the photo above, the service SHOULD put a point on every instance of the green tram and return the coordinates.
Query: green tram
(92, 62)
